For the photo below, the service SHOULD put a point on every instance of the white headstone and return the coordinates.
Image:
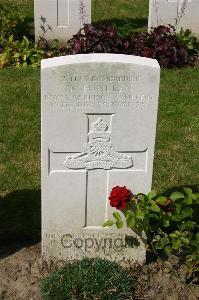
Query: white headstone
(178, 13)
(98, 131)
(60, 19)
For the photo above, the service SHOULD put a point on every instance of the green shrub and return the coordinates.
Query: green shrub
(88, 279)
(20, 53)
(10, 18)
(14, 49)
(185, 37)
(166, 224)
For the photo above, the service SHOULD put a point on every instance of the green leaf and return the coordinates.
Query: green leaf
(167, 250)
(195, 197)
(162, 200)
(187, 225)
(176, 195)
(158, 246)
(26, 40)
(130, 213)
(157, 237)
(32, 59)
(197, 236)
(185, 240)
(159, 231)
(142, 197)
(10, 39)
(130, 221)
(187, 212)
(139, 215)
(188, 191)
(176, 244)
(178, 208)
(119, 224)
(16, 55)
(108, 223)
(152, 194)
(188, 200)
(166, 223)
(163, 241)
(3, 56)
(174, 234)
(154, 207)
(117, 216)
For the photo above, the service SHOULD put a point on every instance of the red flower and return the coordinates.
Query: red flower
(119, 197)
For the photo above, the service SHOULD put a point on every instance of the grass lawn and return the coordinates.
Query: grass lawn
(176, 155)
(128, 15)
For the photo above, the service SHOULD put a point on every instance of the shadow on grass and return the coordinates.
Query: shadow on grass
(20, 220)
(168, 192)
(132, 24)
(26, 28)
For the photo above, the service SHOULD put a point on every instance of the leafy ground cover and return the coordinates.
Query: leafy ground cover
(89, 279)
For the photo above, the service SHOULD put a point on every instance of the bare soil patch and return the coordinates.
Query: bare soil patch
(162, 280)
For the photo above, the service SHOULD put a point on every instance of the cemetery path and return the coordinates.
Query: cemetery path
(162, 280)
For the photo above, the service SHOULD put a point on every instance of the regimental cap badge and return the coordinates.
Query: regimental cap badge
(99, 125)
(99, 152)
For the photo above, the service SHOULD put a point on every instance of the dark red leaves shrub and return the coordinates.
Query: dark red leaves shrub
(161, 44)
(96, 40)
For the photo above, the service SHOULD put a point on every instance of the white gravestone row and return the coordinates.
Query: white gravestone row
(178, 13)
(98, 131)
(60, 19)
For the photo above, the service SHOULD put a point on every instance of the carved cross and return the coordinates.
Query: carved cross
(99, 161)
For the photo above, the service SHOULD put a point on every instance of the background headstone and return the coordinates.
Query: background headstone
(98, 131)
(60, 19)
(178, 13)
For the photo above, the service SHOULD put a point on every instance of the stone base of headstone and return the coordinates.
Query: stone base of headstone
(122, 247)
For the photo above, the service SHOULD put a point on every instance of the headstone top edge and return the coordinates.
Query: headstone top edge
(99, 57)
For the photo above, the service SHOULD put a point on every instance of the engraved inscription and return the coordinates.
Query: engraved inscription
(88, 77)
(92, 88)
(99, 153)
(99, 91)
(63, 102)
(108, 245)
